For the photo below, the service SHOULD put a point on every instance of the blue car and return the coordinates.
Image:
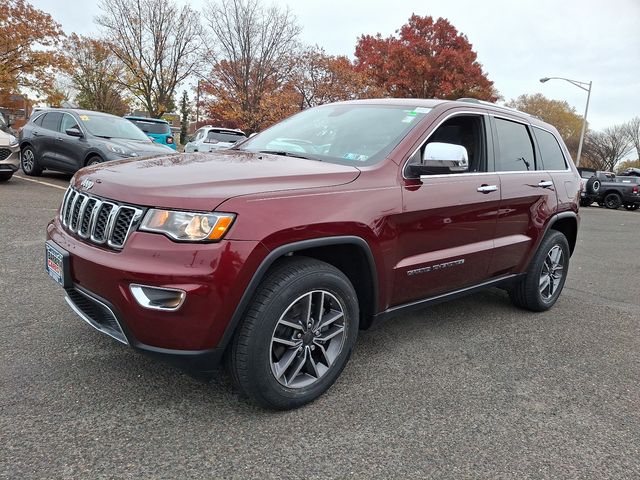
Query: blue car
(156, 129)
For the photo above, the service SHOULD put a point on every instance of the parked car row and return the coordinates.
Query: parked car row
(609, 190)
(67, 140)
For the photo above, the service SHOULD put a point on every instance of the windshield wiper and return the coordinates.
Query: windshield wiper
(287, 154)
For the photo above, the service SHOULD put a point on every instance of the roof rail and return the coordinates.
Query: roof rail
(502, 107)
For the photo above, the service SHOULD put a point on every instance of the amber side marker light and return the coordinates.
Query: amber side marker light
(221, 227)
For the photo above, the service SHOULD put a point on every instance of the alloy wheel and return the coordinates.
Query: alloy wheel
(552, 272)
(307, 339)
(28, 160)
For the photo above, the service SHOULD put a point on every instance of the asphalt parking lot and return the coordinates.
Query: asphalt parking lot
(470, 389)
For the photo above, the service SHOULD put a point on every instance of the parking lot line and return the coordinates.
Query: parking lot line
(40, 181)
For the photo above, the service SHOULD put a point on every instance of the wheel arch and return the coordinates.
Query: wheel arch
(350, 254)
(567, 224)
(89, 156)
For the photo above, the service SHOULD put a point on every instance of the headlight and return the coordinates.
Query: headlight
(13, 141)
(187, 226)
(121, 151)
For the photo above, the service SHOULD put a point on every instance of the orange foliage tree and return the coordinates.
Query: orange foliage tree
(29, 39)
(426, 59)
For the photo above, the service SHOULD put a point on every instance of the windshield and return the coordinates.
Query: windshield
(148, 126)
(349, 134)
(113, 127)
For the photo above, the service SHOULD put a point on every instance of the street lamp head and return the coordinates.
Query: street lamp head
(544, 79)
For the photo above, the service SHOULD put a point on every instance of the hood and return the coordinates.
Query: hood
(4, 138)
(202, 181)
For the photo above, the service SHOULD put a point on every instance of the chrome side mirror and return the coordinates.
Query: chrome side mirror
(448, 156)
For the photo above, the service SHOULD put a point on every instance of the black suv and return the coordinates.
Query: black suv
(69, 139)
(609, 190)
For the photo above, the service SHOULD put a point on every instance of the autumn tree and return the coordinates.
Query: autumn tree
(95, 72)
(632, 131)
(29, 39)
(556, 112)
(320, 78)
(603, 150)
(157, 43)
(185, 110)
(425, 59)
(250, 61)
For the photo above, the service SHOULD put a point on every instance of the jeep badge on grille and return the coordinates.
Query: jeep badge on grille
(86, 184)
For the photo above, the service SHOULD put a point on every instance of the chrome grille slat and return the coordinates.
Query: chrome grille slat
(99, 221)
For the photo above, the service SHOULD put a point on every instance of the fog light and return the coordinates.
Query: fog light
(158, 298)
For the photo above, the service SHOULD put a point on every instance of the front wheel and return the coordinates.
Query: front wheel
(94, 161)
(543, 283)
(297, 334)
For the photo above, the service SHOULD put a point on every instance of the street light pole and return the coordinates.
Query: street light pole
(584, 120)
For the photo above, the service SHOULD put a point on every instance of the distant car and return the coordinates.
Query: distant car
(631, 172)
(68, 139)
(609, 190)
(157, 129)
(209, 139)
(9, 151)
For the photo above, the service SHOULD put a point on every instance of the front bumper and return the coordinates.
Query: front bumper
(9, 158)
(213, 276)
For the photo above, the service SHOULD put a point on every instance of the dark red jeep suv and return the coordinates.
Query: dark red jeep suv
(272, 255)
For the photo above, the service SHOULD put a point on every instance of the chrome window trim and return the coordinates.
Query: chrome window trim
(454, 114)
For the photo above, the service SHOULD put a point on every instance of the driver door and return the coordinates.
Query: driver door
(447, 228)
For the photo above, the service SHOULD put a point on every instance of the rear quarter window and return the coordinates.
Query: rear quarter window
(552, 156)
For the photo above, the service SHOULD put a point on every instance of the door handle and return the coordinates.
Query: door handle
(487, 188)
(545, 183)
(59, 139)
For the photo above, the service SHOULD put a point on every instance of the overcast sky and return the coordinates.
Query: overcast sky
(517, 41)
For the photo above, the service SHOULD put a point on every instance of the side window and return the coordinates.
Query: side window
(465, 130)
(67, 122)
(552, 156)
(38, 120)
(200, 135)
(515, 149)
(51, 121)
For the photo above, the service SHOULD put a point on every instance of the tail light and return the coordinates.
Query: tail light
(635, 189)
(169, 140)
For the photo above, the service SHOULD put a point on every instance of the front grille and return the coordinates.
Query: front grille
(4, 153)
(97, 220)
(95, 313)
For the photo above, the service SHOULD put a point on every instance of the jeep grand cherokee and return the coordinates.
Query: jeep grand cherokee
(272, 255)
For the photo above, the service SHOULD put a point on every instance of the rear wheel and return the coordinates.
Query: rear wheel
(543, 283)
(584, 202)
(297, 334)
(612, 201)
(29, 162)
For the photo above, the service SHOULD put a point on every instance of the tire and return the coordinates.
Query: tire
(5, 176)
(257, 360)
(593, 186)
(29, 162)
(95, 160)
(529, 293)
(632, 206)
(612, 201)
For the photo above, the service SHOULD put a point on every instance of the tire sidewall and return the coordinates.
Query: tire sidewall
(264, 384)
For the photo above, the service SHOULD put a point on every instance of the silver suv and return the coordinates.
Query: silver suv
(209, 139)
(9, 151)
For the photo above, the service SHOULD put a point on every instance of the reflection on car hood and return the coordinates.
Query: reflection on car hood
(141, 148)
(201, 181)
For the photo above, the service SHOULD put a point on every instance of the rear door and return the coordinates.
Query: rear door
(445, 233)
(46, 138)
(528, 195)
